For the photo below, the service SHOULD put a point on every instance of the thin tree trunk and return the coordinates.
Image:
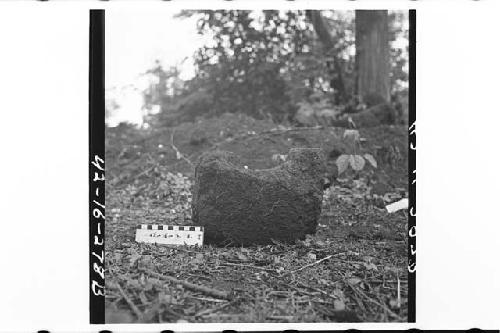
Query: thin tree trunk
(372, 55)
(323, 31)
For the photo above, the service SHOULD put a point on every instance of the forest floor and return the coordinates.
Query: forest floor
(354, 269)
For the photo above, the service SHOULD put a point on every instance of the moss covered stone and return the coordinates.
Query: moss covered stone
(240, 206)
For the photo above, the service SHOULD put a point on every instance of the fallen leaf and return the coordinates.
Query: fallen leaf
(339, 293)
(143, 298)
(198, 259)
(133, 259)
(393, 303)
(367, 258)
(242, 257)
(338, 304)
(353, 281)
(320, 242)
(134, 283)
(148, 286)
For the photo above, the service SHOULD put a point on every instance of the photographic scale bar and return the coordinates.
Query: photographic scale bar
(169, 234)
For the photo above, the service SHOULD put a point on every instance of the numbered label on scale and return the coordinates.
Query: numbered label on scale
(169, 234)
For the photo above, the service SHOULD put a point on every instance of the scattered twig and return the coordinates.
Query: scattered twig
(314, 263)
(148, 170)
(399, 293)
(177, 151)
(209, 311)
(384, 307)
(293, 129)
(215, 300)
(132, 305)
(170, 311)
(318, 290)
(386, 281)
(249, 266)
(286, 318)
(150, 313)
(122, 152)
(274, 131)
(191, 286)
(319, 301)
(300, 291)
(358, 300)
(199, 276)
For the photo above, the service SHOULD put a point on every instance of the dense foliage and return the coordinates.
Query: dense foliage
(267, 64)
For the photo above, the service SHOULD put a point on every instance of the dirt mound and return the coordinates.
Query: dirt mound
(131, 152)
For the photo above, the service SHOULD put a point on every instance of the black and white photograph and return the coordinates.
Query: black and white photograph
(256, 166)
(249, 166)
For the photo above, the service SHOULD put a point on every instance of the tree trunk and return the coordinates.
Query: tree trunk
(372, 56)
(323, 31)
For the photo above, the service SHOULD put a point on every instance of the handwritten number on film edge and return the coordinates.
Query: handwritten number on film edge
(98, 214)
(412, 232)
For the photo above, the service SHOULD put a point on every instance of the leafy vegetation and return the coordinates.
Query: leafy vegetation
(266, 64)
(356, 161)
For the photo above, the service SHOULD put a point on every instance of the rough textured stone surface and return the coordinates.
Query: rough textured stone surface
(239, 206)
